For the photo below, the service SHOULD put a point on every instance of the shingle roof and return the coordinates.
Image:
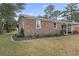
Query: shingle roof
(43, 19)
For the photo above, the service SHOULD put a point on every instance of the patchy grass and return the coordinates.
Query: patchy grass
(63, 45)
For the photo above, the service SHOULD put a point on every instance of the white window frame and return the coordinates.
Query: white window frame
(38, 24)
(55, 25)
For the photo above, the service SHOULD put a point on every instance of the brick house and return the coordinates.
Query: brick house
(40, 26)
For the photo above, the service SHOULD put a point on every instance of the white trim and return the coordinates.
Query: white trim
(72, 28)
(38, 24)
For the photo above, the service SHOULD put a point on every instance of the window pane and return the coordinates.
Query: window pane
(55, 25)
(38, 24)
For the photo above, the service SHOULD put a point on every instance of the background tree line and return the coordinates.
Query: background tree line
(71, 12)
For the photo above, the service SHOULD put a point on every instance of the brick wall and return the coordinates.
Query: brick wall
(47, 27)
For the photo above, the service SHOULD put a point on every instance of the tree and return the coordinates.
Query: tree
(71, 13)
(8, 11)
(55, 14)
(0, 26)
(48, 11)
(10, 25)
(76, 16)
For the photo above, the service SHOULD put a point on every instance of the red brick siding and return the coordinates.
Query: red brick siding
(47, 27)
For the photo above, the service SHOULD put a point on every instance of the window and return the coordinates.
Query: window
(55, 25)
(38, 24)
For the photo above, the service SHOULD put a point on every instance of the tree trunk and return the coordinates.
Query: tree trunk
(2, 26)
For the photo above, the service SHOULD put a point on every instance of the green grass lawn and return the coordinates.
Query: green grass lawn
(64, 45)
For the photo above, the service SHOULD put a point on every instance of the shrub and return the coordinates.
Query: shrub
(62, 32)
(22, 32)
